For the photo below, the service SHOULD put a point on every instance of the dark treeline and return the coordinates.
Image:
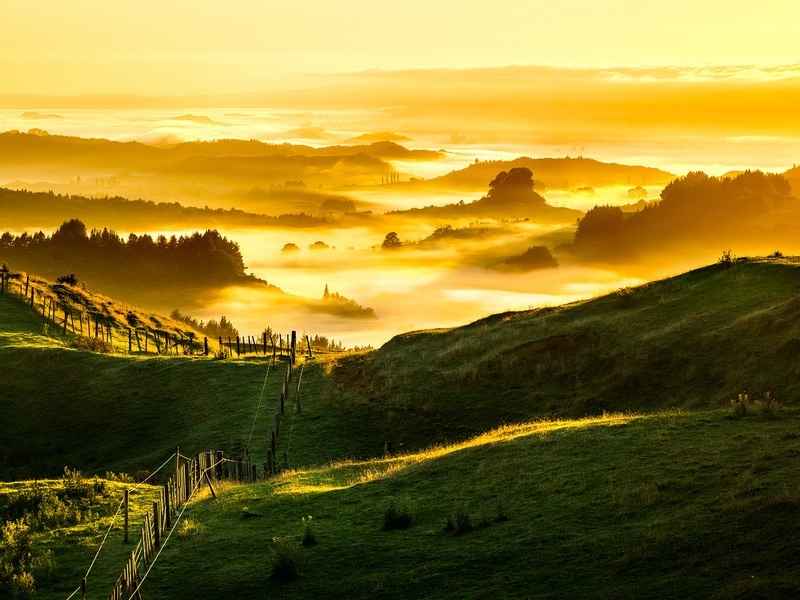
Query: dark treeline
(101, 255)
(212, 328)
(36, 209)
(754, 210)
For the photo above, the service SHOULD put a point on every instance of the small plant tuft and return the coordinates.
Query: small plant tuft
(397, 516)
(309, 538)
(285, 561)
(459, 523)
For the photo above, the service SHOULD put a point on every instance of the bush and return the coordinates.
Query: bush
(16, 558)
(397, 516)
(727, 258)
(743, 405)
(68, 279)
(90, 344)
(285, 561)
(459, 523)
(189, 528)
(309, 539)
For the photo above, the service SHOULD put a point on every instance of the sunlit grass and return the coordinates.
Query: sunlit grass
(348, 473)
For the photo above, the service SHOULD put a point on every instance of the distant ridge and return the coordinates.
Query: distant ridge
(560, 173)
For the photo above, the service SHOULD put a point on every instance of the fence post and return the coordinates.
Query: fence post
(130, 347)
(294, 344)
(264, 336)
(218, 460)
(205, 346)
(157, 523)
(125, 539)
(83, 588)
(238, 347)
(167, 516)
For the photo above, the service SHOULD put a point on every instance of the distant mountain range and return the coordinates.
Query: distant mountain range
(38, 150)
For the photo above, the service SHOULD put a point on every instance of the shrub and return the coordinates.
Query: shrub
(285, 561)
(189, 528)
(90, 344)
(742, 405)
(397, 516)
(309, 539)
(16, 558)
(739, 406)
(727, 258)
(768, 405)
(459, 523)
(68, 279)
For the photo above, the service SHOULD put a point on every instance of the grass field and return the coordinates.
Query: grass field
(679, 497)
(670, 505)
(117, 412)
(692, 341)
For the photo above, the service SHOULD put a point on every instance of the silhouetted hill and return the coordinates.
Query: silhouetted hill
(793, 177)
(29, 149)
(561, 173)
(378, 136)
(753, 212)
(510, 196)
(23, 209)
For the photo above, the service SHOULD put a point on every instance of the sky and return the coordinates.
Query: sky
(240, 46)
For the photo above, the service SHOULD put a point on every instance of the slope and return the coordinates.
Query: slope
(115, 412)
(693, 341)
(672, 505)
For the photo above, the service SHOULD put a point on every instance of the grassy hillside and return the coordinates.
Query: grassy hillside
(692, 341)
(665, 504)
(673, 505)
(116, 412)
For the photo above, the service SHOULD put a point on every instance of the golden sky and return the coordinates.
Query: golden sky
(177, 47)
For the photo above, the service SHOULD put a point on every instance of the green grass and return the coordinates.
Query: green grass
(693, 341)
(72, 548)
(117, 412)
(671, 505)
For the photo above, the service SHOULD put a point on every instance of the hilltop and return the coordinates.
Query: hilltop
(557, 173)
(510, 196)
(249, 160)
(691, 341)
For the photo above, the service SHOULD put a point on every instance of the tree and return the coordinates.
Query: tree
(391, 241)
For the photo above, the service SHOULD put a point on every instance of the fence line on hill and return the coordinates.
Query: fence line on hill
(208, 467)
(96, 325)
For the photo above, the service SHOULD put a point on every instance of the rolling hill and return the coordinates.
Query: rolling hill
(665, 492)
(558, 173)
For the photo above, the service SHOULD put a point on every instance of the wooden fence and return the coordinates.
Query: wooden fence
(191, 473)
(68, 318)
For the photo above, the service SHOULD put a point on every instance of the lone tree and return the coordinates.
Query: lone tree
(391, 241)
